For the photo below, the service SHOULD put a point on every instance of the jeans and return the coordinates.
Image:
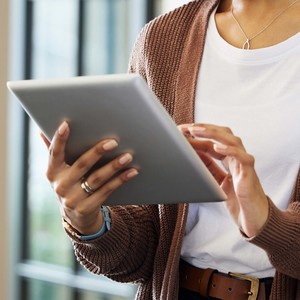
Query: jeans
(189, 295)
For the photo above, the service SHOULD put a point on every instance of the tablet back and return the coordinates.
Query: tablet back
(122, 107)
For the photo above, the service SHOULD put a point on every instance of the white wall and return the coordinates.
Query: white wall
(3, 150)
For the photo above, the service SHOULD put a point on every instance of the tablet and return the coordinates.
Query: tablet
(123, 107)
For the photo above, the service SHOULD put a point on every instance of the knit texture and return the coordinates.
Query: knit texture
(143, 245)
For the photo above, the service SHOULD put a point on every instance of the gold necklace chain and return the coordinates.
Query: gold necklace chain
(247, 45)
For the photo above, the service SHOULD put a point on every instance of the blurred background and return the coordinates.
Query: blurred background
(47, 39)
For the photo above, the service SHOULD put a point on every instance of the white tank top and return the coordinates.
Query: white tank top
(257, 94)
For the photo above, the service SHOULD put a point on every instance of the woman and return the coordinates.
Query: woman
(228, 73)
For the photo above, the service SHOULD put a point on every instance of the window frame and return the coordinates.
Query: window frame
(21, 29)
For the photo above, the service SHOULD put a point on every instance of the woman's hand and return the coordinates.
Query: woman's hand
(79, 208)
(246, 200)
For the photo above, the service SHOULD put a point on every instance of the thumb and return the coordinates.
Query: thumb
(45, 140)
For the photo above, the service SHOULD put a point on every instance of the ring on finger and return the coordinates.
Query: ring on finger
(86, 187)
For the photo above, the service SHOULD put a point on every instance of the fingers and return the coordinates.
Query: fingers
(239, 154)
(84, 214)
(99, 177)
(84, 163)
(79, 201)
(104, 191)
(223, 135)
(247, 202)
(224, 143)
(200, 146)
(45, 140)
(91, 157)
(213, 167)
(66, 178)
(205, 146)
(90, 202)
(58, 144)
(69, 184)
(184, 128)
(220, 143)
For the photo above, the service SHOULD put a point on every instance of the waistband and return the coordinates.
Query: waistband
(231, 286)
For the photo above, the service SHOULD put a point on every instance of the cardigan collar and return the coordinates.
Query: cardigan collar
(190, 64)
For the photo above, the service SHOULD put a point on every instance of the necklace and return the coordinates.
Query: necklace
(247, 45)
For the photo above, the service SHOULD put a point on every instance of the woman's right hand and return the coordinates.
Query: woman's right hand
(79, 208)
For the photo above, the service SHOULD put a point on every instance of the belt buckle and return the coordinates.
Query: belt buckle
(254, 287)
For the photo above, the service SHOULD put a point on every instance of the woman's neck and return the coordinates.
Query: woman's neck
(252, 16)
(253, 5)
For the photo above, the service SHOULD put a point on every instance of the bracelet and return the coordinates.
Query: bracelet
(105, 227)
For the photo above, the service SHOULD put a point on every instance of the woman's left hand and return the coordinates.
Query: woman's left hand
(246, 200)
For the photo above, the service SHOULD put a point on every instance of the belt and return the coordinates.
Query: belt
(211, 283)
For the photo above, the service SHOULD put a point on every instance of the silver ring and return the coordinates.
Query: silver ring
(86, 187)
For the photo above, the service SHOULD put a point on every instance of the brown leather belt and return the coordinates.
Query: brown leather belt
(211, 283)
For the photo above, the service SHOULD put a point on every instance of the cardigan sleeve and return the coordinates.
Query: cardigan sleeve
(280, 238)
(137, 61)
(125, 253)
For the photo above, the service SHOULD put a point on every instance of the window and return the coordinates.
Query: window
(62, 38)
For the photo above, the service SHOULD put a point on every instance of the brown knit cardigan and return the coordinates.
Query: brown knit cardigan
(143, 245)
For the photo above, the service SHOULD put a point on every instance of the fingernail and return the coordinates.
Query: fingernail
(184, 130)
(132, 174)
(126, 158)
(185, 127)
(63, 128)
(197, 129)
(220, 146)
(112, 144)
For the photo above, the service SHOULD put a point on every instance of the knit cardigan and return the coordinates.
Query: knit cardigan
(144, 243)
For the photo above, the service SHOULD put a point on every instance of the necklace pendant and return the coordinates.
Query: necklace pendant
(246, 45)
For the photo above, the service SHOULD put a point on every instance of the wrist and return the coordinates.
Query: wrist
(93, 226)
(104, 226)
(256, 220)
